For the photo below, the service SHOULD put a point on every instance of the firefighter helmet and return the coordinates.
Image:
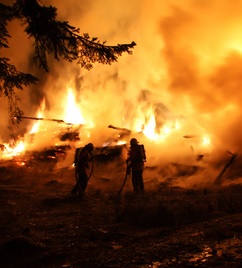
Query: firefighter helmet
(133, 141)
(90, 146)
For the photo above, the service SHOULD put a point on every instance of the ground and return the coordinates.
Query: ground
(42, 225)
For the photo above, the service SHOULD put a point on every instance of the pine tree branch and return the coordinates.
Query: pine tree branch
(51, 37)
(63, 40)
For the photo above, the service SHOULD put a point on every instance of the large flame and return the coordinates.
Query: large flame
(72, 112)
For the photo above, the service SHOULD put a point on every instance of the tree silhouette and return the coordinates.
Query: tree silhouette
(51, 37)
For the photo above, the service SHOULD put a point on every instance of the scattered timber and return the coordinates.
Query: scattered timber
(124, 130)
(218, 180)
(45, 119)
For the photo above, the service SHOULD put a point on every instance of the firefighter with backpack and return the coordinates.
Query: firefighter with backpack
(135, 162)
(81, 162)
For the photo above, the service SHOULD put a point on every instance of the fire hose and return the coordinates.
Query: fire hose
(125, 178)
(88, 178)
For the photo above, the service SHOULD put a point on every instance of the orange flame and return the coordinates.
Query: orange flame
(72, 113)
(13, 150)
(40, 111)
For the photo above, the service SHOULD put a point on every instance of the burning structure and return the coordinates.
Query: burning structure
(179, 93)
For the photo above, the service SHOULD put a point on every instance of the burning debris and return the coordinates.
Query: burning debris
(52, 153)
(218, 180)
(73, 131)
(42, 119)
(107, 153)
(123, 132)
(190, 136)
(70, 134)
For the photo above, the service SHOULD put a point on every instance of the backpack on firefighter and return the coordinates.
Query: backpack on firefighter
(76, 156)
(137, 151)
(140, 153)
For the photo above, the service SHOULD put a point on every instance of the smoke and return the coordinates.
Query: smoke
(187, 65)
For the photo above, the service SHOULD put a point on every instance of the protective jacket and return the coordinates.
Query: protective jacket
(136, 157)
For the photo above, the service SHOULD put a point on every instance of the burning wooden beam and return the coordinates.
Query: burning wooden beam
(128, 131)
(190, 136)
(44, 119)
(218, 180)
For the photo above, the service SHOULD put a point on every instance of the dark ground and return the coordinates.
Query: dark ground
(43, 226)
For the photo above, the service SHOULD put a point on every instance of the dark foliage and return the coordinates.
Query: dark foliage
(6, 14)
(11, 78)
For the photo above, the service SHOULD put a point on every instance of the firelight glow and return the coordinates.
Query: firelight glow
(180, 88)
(206, 141)
(40, 111)
(149, 129)
(72, 112)
(13, 150)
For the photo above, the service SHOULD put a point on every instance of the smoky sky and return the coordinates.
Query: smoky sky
(188, 61)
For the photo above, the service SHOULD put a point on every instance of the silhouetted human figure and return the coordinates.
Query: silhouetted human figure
(135, 162)
(82, 158)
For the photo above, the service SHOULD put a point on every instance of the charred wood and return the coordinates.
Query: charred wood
(44, 119)
(218, 180)
(108, 152)
(70, 136)
(51, 153)
(123, 131)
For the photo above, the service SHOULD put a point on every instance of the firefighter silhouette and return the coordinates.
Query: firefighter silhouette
(82, 158)
(135, 162)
